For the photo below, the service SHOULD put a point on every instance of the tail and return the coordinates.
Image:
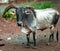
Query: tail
(9, 7)
(57, 36)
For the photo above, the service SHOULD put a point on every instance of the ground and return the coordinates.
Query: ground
(11, 28)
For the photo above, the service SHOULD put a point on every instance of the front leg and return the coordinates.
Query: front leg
(28, 45)
(34, 43)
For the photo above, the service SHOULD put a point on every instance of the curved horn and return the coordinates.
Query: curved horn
(9, 7)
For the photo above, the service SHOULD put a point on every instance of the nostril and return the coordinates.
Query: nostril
(18, 24)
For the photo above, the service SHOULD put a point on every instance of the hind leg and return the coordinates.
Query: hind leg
(51, 36)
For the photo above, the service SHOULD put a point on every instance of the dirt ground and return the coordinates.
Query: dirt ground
(9, 28)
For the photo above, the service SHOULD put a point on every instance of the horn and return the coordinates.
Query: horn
(9, 7)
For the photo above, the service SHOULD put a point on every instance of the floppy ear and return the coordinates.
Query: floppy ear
(30, 7)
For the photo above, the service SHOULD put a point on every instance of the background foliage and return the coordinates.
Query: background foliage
(41, 5)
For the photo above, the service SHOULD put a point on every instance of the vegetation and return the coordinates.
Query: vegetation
(41, 5)
(9, 16)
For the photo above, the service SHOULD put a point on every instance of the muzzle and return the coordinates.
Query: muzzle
(19, 23)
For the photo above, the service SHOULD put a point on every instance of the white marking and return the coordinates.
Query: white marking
(9, 38)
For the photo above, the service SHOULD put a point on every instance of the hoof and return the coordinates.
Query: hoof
(34, 47)
(48, 44)
(2, 44)
(27, 46)
(1, 39)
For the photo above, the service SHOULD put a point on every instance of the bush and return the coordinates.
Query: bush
(45, 5)
(8, 16)
(41, 5)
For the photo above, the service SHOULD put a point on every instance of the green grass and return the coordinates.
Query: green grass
(42, 5)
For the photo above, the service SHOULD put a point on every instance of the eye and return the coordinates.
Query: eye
(13, 12)
(27, 12)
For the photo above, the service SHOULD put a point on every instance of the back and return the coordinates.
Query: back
(45, 17)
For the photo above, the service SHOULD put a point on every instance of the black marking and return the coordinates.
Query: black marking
(2, 44)
(44, 35)
(57, 34)
(1, 39)
(34, 38)
(55, 19)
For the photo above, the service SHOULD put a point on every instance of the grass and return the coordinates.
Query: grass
(41, 5)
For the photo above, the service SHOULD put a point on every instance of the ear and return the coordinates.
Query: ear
(30, 7)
